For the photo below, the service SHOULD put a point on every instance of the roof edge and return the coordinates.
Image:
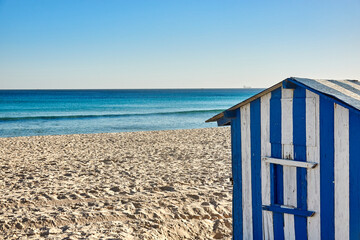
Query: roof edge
(290, 82)
(343, 103)
(260, 94)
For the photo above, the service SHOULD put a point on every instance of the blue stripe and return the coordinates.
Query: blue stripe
(223, 121)
(276, 177)
(275, 116)
(255, 135)
(299, 140)
(236, 173)
(354, 161)
(327, 168)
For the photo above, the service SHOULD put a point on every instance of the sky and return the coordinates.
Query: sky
(91, 44)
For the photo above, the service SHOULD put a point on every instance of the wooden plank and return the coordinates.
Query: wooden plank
(236, 173)
(246, 172)
(276, 171)
(290, 197)
(341, 134)
(289, 211)
(354, 153)
(326, 115)
(311, 121)
(287, 123)
(290, 163)
(299, 140)
(255, 135)
(268, 230)
(313, 153)
(288, 153)
(215, 118)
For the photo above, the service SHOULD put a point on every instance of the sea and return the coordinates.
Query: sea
(59, 112)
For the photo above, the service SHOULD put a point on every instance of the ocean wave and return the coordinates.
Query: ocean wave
(59, 117)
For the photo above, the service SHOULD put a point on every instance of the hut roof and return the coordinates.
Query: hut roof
(344, 91)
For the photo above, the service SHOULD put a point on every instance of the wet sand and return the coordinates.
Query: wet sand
(140, 185)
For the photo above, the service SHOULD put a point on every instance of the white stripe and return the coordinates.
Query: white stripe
(246, 172)
(288, 153)
(351, 84)
(340, 89)
(313, 155)
(268, 229)
(310, 102)
(341, 135)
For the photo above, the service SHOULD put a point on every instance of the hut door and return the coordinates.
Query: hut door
(290, 165)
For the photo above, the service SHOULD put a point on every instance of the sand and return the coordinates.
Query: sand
(142, 185)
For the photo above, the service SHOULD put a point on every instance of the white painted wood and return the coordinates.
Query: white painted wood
(313, 154)
(290, 190)
(287, 93)
(340, 89)
(289, 163)
(246, 172)
(341, 172)
(288, 153)
(268, 229)
(310, 102)
(286, 123)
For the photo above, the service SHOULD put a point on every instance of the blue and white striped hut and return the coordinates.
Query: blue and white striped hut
(296, 161)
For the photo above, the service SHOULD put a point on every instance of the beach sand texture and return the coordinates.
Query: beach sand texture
(141, 185)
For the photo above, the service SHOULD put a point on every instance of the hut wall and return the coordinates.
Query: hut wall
(297, 125)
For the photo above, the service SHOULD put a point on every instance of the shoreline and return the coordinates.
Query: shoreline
(166, 184)
(141, 131)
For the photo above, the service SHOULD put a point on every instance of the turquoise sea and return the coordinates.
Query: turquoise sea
(54, 112)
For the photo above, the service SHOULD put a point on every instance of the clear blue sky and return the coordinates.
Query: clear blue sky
(175, 43)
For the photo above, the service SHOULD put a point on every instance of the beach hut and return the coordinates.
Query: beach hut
(296, 161)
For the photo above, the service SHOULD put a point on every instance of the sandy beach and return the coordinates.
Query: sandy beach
(140, 185)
